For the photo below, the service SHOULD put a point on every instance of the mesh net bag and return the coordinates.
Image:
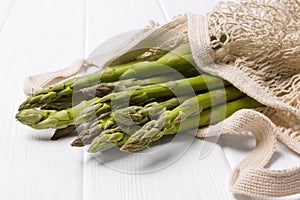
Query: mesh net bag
(258, 46)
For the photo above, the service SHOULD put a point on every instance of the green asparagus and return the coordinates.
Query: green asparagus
(103, 89)
(208, 116)
(190, 107)
(130, 116)
(111, 106)
(87, 110)
(108, 139)
(138, 114)
(86, 136)
(143, 139)
(181, 60)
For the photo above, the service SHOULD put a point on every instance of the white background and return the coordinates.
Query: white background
(44, 35)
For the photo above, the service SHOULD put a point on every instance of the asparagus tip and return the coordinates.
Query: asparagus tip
(135, 144)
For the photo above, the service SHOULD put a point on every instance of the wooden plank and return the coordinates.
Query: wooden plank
(39, 36)
(173, 8)
(5, 8)
(187, 178)
(106, 20)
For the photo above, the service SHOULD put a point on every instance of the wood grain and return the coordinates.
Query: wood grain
(187, 178)
(5, 9)
(172, 8)
(44, 35)
(39, 36)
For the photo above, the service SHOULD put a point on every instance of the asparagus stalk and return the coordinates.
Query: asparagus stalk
(142, 140)
(86, 110)
(43, 119)
(60, 104)
(103, 89)
(108, 139)
(54, 92)
(138, 114)
(66, 101)
(208, 116)
(190, 107)
(86, 136)
(179, 87)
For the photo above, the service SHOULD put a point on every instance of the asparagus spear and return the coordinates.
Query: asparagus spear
(208, 116)
(103, 89)
(60, 104)
(52, 93)
(82, 128)
(42, 119)
(66, 101)
(108, 139)
(143, 139)
(141, 114)
(190, 107)
(132, 115)
(138, 114)
(86, 136)
(86, 110)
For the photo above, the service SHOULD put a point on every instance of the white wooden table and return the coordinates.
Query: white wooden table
(43, 35)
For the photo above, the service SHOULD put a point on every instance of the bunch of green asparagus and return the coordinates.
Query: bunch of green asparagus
(133, 104)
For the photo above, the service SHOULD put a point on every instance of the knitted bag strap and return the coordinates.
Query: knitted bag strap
(37, 82)
(251, 177)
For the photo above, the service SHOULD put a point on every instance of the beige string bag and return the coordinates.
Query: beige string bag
(261, 56)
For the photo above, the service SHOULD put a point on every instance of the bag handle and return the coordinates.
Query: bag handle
(250, 177)
(37, 82)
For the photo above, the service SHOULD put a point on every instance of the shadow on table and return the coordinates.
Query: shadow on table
(162, 153)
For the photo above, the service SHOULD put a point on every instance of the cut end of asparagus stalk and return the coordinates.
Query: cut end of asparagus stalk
(77, 143)
(59, 133)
